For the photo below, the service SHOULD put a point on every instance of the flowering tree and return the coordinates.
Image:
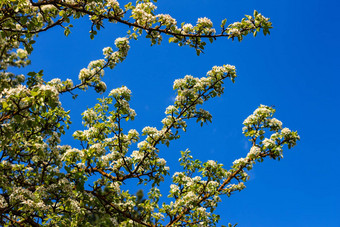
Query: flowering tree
(43, 182)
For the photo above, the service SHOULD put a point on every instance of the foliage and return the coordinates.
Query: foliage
(43, 182)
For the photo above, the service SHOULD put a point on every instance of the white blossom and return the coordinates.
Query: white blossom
(285, 131)
(22, 53)
(171, 109)
(3, 203)
(161, 161)
(166, 19)
(205, 21)
(268, 143)
(275, 123)
(240, 161)
(254, 150)
(113, 3)
(139, 155)
(187, 28)
(212, 163)
(122, 91)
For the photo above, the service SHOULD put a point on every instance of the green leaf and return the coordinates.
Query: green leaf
(61, 13)
(4, 105)
(223, 23)
(67, 31)
(198, 52)
(35, 92)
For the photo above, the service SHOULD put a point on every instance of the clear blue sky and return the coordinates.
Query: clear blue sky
(296, 69)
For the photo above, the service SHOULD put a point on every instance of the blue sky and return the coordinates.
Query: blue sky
(296, 69)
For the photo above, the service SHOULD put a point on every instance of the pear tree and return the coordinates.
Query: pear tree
(44, 181)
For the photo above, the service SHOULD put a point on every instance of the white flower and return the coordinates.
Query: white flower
(250, 120)
(48, 7)
(178, 83)
(157, 215)
(115, 186)
(161, 161)
(96, 64)
(81, 165)
(254, 150)
(174, 188)
(149, 130)
(171, 109)
(263, 110)
(275, 123)
(143, 144)
(122, 91)
(3, 203)
(205, 22)
(137, 155)
(18, 26)
(55, 81)
(143, 13)
(240, 161)
(133, 135)
(89, 115)
(72, 152)
(187, 28)
(100, 86)
(107, 51)
(167, 121)
(112, 3)
(15, 91)
(178, 174)
(230, 67)
(285, 131)
(268, 142)
(98, 148)
(49, 88)
(22, 53)
(234, 31)
(121, 41)
(84, 74)
(197, 178)
(166, 19)
(211, 163)
(213, 184)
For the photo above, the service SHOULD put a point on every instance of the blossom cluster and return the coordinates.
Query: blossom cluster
(250, 24)
(91, 76)
(143, 13)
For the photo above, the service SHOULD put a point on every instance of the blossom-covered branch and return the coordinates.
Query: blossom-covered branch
(43, 181)
(41, 15)
(200, 195)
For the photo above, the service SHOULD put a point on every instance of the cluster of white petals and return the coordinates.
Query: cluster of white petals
(143, 13)
(187, 28)
(166, 19)
(120, 92)
(205, 22)
(113, 3)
